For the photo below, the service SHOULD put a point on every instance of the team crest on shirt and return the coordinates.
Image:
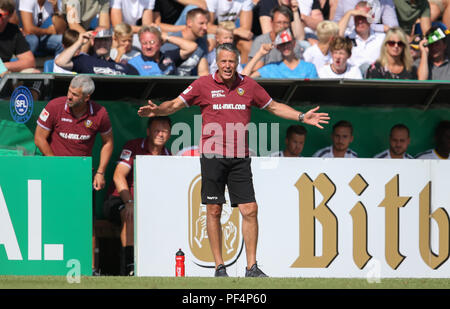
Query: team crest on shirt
(44, 115)
(88, 123)
(125, 155)
(240, 91)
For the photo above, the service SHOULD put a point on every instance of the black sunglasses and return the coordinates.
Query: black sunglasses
(393, 43)
(39, 19)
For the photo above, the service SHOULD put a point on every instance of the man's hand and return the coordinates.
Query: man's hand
(265, 49)
(424, 49)
(148, 110)
(99, 181)
(315, 119)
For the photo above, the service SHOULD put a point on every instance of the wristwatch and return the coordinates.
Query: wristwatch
(301, 117)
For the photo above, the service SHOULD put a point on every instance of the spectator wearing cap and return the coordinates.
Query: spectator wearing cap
(43, 26)
(290, 67)
(434, 63)
(99, 63)
(281, 17)
(367, 43)
(12, 42)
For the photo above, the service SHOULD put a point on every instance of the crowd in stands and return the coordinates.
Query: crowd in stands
(370, 39)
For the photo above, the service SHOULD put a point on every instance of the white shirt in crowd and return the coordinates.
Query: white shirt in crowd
(327, 152)
(228, 10)
(33, 7)
(305, 8)
(132, 10)
(431, 154)
(387, 155)
(351, 72)
(366, 51)
(314, 55)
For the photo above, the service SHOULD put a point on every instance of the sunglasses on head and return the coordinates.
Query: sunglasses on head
(393, 43)
(39, 19)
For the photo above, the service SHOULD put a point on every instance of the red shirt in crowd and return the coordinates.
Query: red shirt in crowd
(226, 112)
(133, 148)
(72, 136)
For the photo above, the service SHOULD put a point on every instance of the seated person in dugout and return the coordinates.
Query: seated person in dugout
(99, 63)
(442, 141)
(398, 144)
(119, 206)
(294, 142)
(342, 137)
(154, 61)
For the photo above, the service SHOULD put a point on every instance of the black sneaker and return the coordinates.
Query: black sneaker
(254, 271)
(130, 270)
(221, 271)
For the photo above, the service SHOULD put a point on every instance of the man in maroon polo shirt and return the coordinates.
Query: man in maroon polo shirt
(119, 206)
(225, 99)
(67, 126)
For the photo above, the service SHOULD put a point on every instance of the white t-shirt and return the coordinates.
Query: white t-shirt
(132, 10)
(387, 155)
(33, 7)
(305, 8)
(352, 72)
(366, 51)
(431, 154)
(327, 152)
(228, 10)
(314, 55)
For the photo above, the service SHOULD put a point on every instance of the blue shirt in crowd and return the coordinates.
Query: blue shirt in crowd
(280, 70)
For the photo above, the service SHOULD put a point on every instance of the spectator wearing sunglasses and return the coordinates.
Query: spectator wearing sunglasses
(12, 41)
(43, 26)
(395, 61)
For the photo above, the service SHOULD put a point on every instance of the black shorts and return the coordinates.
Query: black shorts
(235, 173)
(112, 208)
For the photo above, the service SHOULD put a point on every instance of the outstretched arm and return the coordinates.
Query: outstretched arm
(287, 112)
(164, 109)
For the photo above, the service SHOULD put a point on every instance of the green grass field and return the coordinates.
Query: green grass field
(60, 282)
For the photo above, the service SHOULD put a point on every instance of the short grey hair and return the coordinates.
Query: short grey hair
(84, 82)
(229, 47)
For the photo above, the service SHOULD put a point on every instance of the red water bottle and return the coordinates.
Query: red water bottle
(179, 266)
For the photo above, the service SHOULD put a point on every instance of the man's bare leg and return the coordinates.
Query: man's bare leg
(214, 228)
